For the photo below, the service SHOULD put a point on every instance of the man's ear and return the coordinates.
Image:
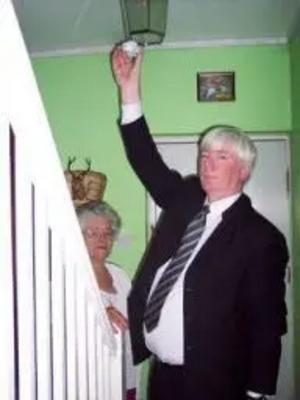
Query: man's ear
(245, 173)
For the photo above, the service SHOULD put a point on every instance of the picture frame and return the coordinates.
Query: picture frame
(215, 86)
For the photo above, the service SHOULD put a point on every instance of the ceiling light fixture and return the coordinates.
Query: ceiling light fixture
(144, 20)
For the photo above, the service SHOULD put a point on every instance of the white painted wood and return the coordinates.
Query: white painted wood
(71, 333)
(193, 44)
(118, 391)
(7, 368)
(57, 308)
(47, 337)
(42, 306)
(81, 328)
(268, 191)
(24, 270)
(100, 364)
(92, 354)
(106, 374)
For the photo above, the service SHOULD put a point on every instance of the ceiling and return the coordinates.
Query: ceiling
(63, 26)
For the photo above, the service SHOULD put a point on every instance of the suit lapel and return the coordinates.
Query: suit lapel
(223, 235)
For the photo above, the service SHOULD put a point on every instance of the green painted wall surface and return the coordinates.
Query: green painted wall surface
(81, 101)
(82, 105)
(295, 150)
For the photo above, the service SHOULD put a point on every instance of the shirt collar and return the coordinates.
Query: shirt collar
(219, 206)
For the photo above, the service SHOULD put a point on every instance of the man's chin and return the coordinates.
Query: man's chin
(208, 187)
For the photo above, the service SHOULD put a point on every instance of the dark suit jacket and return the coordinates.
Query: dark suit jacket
(234, 308)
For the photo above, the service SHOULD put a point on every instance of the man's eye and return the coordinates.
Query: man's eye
(223, 156)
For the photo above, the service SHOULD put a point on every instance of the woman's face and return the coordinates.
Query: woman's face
(98, 237)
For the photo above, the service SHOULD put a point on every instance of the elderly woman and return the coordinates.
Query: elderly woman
(100, 225)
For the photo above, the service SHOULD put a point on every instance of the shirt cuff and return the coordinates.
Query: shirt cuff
(131, 113)
(254, 395)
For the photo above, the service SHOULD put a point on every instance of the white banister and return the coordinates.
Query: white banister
(56, 341)
(42, 292)
(7, 370)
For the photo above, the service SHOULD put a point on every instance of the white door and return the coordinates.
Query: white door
(268, 189)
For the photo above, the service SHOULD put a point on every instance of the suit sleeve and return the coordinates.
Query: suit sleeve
(266, 314)
(160, 181)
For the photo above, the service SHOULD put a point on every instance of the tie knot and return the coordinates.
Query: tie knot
(205, 209)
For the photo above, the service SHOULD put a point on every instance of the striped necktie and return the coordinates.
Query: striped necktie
(166, 282)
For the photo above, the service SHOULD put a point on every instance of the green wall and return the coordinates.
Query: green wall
(295, 150)
(80, 97)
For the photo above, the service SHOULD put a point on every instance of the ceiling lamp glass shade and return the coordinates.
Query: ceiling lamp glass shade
(144, 20)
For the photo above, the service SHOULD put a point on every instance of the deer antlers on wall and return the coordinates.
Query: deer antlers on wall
(84, 184)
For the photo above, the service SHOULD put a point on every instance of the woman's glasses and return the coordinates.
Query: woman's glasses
(96, 233)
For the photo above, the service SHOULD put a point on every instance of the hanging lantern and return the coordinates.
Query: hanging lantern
(144, 20)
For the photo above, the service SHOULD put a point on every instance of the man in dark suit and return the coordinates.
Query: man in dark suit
(207, 306)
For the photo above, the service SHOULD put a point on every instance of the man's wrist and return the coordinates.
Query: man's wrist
(130, 95)
(130, 112)
(251, 395)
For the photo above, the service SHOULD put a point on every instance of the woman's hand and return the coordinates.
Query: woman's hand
(117, 319)
(131, 394)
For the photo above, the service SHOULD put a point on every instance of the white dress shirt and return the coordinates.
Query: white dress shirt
(166, 340)
(130, 112)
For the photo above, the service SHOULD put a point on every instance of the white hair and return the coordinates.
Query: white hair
(216, 137)
(99, 209)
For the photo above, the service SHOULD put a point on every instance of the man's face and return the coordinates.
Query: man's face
(221, 171)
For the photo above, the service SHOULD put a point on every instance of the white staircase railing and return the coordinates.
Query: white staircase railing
(55, 339)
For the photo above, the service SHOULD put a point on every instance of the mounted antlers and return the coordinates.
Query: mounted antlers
(71, 160)
(88, 164)
(84, 185)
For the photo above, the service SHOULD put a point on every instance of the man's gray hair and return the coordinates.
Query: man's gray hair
(94, 209)
(215, 138)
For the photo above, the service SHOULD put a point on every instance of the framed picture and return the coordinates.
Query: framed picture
(215, 86)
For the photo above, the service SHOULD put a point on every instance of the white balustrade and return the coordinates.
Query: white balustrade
(55, 339)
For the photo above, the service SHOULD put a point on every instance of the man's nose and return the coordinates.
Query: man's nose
(210, 163)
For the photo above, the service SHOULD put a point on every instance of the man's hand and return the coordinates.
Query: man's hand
(127, 74)
(117, 319)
